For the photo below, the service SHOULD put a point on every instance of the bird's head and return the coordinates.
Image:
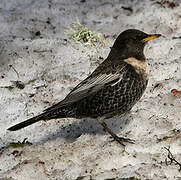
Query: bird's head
(131, 42)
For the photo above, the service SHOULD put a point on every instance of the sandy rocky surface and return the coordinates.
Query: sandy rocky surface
(33, 42)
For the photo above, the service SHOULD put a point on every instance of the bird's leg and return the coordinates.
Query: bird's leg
(120, 140)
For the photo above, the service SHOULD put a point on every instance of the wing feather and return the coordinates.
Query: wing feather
(92, 84)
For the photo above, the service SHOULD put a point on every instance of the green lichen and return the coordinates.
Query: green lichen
(81, 34)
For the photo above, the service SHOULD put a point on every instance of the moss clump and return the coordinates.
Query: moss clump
(81, 34)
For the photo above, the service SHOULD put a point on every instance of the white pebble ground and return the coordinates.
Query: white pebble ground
(35, 50)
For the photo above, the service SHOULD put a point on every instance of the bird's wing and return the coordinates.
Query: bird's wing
(89, 86)
(92, 85)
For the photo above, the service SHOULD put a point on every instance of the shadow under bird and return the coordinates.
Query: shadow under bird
(111, 90)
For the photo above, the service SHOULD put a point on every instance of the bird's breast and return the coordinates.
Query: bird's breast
(140, 66)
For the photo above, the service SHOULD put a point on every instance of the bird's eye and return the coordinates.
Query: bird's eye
(138, 38)
(135, 38)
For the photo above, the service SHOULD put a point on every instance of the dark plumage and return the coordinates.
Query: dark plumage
(112, 89)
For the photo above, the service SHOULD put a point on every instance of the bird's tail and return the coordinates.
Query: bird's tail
(28, 122)
(54, 114)
(25, 123)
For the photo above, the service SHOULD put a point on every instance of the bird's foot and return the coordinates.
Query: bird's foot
(121, 140)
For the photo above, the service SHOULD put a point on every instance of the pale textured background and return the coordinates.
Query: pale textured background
(50, 67)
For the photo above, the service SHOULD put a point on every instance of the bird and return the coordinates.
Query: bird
(112, 89)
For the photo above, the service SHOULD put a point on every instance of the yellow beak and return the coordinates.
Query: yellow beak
(154, 36)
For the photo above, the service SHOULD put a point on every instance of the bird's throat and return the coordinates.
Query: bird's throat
(141, 66)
